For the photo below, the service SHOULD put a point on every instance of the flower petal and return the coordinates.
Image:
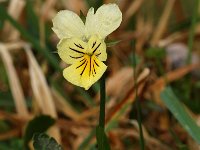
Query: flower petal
(91, 23)
(85, 72)
(107, 19)
(71, 50)
(97, 47)
(67, 24)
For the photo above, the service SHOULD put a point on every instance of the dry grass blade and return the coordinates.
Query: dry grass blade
(134, 6)
(9, 31)
(14, 82)
(151, 142)
(75, 5)
(46, 7)
(161, 82)
(88, 113)
(130, 97)
(14, 45)
(41, 90)
(177, 36)
(14, 119)
(144, 28)
(10, 134)
(123, 80)
(62, 105)
(160, 29)
(172, 76)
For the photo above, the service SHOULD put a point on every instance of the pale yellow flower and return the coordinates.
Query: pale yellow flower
(82, 45)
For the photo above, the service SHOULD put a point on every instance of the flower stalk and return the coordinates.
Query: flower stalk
(102, 102)
(138, 105)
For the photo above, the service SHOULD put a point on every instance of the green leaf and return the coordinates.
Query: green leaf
(102, 140)
(180, 113)
(94, 3)
(11, 144)
(42, 141)
(82, 16)
(37, 125)
(155, 52)
(112, 43)
(4, 126)
(1, 23)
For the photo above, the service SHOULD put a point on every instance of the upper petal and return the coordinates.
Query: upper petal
(91, 23)
(67, 24)
(107, 19)
(71, 50)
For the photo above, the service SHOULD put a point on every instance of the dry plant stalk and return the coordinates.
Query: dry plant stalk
(172, 76)
(144, 28)
(62, 105)
(9, 31)
(13, 46)
(88, 113)
(130, 97)
(75, 5)
(151, 142)
(16, 89)
(161, 82)
(133, 8)
(10, 134)
(41, 91)
(177, 36)
(161, 27)
(46, 8)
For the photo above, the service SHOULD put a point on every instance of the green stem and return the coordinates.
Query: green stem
(138, 105)
(102, 102)
(142, 143)
(192, 30)
(191, 39)
(102, 140)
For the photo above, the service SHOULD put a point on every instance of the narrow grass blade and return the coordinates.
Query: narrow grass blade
(180, 113)
(32, 19)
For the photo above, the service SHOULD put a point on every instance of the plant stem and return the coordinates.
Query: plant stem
(138, 105)
(192, 30)
(102, 102)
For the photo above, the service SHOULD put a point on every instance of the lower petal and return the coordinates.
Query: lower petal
(85, 72)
